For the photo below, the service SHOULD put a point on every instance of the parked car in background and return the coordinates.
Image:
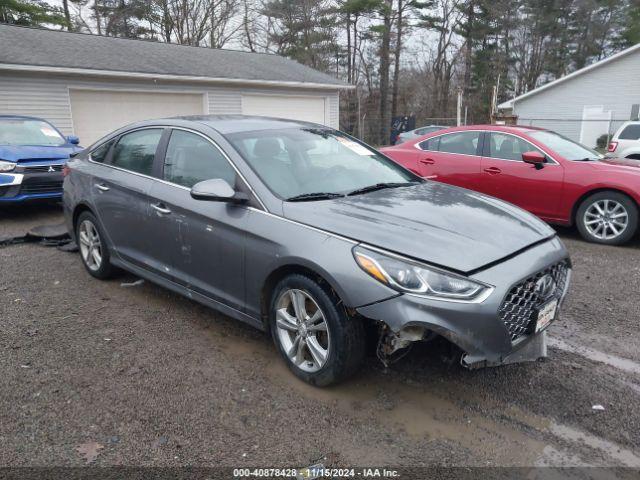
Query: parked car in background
(300, 230)
(418, 132)
(626, 142)
(32, 155)
(543, 172)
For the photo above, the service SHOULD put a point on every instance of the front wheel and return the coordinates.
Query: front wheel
(93, 249)
(319, 341)
(610, 218)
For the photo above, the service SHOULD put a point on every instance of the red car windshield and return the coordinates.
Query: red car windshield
(23, 131)
(567, 148)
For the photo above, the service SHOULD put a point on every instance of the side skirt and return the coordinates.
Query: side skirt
(186, 292)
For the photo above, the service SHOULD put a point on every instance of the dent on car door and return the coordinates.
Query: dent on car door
(120, 187)
(452, 158)
(197, 243)
(506, 176)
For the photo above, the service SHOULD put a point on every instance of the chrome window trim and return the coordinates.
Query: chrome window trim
(553, 160)
(417, 145)
(161, 180)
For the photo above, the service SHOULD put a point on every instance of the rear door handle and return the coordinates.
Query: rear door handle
(492, 170)
(102, 187)
(427, 161)
(161, 208)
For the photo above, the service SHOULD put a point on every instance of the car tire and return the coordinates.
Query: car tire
(600, 215)
(90, 239)
(318, 356)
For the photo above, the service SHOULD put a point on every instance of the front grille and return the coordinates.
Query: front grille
(518, 310)
(42, 168)
(41, 187)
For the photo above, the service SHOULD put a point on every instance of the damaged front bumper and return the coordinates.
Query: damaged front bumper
(488, 334)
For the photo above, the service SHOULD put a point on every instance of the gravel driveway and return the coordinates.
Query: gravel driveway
(113, 375)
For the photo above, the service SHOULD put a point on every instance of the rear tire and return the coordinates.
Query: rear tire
(94, 251)
(320, 343)
(609, 218)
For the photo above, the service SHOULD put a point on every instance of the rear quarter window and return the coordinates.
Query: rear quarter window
(430, 144)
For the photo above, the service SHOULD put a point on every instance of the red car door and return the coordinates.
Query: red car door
(506, 176)
(452, 158)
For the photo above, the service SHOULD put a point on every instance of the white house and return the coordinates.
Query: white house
(88, 85)
(587, 103)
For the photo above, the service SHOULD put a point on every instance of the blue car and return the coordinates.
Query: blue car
(32, 155)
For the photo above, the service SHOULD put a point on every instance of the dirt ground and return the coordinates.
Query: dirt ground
(99, 372)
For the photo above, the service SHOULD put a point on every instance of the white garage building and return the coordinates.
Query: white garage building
(88, 85)
(587, 104)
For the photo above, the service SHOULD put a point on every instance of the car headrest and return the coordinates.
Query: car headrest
(266, 147)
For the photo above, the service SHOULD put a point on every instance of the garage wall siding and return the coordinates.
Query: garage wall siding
(48, 97)
(615, 86)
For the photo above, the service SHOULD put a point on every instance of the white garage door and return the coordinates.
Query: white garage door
(96, 113)
(309, 109)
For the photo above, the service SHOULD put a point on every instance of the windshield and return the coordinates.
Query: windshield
(296, 162)
(21, 131)
(567, 148)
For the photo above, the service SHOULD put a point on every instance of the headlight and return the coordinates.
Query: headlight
(411, 277)
(6, 166)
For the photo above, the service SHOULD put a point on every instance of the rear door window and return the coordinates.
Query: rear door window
(136, 151)
(630, 132)
(465, 143)
(191, 159)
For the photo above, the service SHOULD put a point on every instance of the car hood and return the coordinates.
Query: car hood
(17, 153)
(621, 163)
(439, 224)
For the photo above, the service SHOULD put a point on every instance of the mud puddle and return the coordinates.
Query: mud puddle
(517, 439)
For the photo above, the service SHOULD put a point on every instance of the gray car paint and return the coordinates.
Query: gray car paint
(224, 254)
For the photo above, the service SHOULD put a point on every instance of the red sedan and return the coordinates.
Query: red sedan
(541, 171)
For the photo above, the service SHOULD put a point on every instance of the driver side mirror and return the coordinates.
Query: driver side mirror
(217, 190)
(534, 158)
(73, 140)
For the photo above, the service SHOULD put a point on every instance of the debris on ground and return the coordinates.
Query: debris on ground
(161, 441)
(54, 235)
(132, 284)
(89, 451)
(597, 407)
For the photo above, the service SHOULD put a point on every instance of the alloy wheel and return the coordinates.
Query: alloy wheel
(302, 330)
(90, 245)
(606, 219)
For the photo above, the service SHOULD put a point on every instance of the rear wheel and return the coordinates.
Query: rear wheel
(93, 249)
(319, 341)
(610, 218)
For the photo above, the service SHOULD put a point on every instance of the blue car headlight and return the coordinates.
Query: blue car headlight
(408, 276)
(7, 166)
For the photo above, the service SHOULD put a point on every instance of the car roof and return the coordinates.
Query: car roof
(228, 124)
(491, 127)
(23, 117)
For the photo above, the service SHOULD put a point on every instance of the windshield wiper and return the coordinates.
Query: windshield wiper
(380, 186)
(309, 197)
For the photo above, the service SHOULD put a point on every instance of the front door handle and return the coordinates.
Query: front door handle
(492, 170)
(427, 161)
(102, 187)
(161, 208)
